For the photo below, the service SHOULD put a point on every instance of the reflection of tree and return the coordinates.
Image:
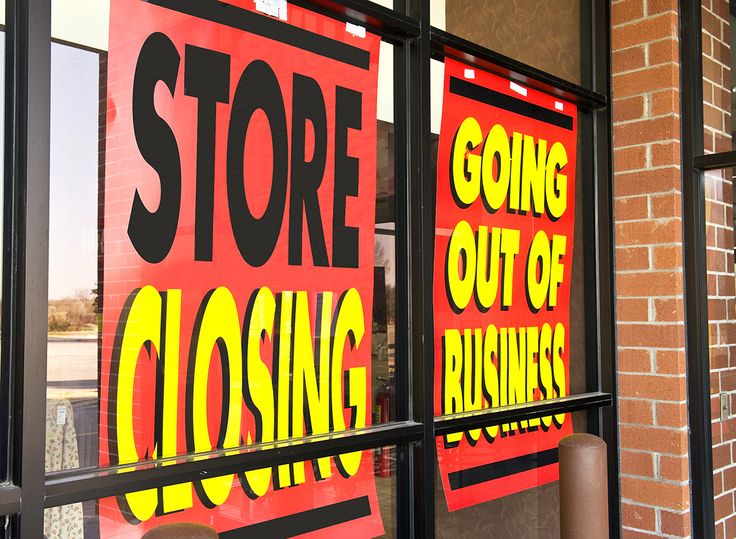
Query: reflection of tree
(385, 259)
(95, 299)
(77, 313)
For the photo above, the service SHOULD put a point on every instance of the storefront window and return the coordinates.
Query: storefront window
(248, 250)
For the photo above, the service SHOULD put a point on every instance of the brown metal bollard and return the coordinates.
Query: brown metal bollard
(583, 487)
(181, 530)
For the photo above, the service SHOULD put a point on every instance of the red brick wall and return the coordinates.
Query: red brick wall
(653, 425)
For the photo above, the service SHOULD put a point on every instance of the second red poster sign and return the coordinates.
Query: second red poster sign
(503, 257)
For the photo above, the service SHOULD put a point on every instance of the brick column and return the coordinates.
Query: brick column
(652, 390)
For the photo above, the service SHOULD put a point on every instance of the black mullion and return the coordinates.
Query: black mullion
(589, 243)
(29, 171)
(402, 379)
(9, 254)
(715, 160)
(81, 485)
(418, 458)
(422, 269)
(695, 269)
(403, 236)
(604, 255)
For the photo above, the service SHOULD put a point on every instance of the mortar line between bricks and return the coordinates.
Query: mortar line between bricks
(643, 68)
(650, 400)
(663, 14)
(657, 479)
(645, 118)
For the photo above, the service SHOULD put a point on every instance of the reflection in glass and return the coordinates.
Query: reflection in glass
(718, 21)
(79, 148)
(72, 405)
(719, 250)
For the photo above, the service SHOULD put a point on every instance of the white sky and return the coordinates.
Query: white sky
(73, 189)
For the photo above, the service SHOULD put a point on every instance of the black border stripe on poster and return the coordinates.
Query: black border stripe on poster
(305, 521)
(472, 91)
(274, 29)
(503, 468)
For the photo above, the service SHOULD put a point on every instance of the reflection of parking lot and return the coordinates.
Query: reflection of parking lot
(72, 380)
(72, 362)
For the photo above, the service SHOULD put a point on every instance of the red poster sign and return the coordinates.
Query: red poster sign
(503, 256)
(239, 215)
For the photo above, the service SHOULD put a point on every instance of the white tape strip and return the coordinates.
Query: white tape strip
(470, 74)
(518, 88)
(283, 10)
(355, 30)
(273, 8)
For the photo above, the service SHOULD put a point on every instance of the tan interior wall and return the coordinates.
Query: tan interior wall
(543, 34)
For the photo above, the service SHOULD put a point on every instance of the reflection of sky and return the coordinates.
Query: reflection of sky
(73, 190)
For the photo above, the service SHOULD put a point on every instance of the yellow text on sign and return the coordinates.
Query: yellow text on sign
(298, 396)
(520, 171)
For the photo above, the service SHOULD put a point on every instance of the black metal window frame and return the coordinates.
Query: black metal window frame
(28, 491)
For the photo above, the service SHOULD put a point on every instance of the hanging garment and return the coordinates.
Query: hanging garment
(62, 453)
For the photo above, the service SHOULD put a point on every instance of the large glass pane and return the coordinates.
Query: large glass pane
(525, 30)
(160, 335)
(363, 507)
